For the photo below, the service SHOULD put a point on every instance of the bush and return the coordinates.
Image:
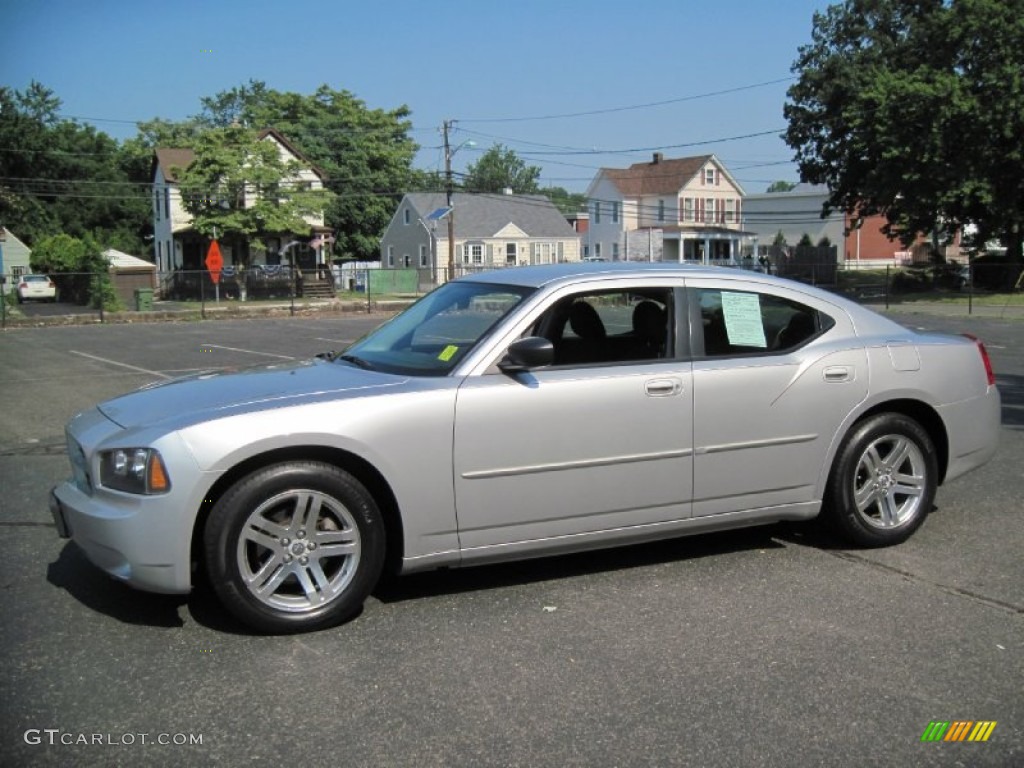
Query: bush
(73, 264)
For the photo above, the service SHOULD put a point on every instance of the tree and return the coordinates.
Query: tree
(781, 186)
(78, 267)
(914, 109)
(57, 176)
(499, 169)
(240, 187)
(365, 153)
(565, 201)
(805, 241)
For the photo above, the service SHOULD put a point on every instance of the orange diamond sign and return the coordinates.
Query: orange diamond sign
(214, 262)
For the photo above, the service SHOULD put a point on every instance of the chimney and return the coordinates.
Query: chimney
(658, 157)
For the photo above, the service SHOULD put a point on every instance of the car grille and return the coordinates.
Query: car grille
(79, 466)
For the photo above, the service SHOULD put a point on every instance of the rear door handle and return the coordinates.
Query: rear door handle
(663, 387)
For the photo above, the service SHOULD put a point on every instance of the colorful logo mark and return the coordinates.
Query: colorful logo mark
(958, 730)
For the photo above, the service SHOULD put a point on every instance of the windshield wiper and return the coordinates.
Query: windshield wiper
(355, 360)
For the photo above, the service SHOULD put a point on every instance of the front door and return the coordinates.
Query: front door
(597, 443)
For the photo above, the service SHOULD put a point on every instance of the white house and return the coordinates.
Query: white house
(491, 230)
(794, 213)
(682, 209)
(178, 246)
(16, 257)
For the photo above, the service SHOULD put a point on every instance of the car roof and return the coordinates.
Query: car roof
(546, 274)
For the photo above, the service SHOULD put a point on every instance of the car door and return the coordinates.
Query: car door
(774, 377)
(596, 445)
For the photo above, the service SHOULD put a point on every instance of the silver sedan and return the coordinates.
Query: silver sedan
(521, 413)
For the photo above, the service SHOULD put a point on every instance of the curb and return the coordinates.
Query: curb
(211, 313)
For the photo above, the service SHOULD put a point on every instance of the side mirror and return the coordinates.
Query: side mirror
(528, 353)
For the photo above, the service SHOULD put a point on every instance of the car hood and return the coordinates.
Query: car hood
(215, 394)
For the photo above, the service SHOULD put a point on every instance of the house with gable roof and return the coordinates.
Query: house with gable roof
(177, 246)
(491, 230)
(682, 209)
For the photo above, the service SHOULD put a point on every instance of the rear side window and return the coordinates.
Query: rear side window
(747, 322)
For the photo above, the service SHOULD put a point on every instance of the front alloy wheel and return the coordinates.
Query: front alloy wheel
(294, 547)
(883, 481)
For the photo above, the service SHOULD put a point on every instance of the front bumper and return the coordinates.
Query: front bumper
(138, 541)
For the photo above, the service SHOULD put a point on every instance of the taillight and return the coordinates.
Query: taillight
(986, 361)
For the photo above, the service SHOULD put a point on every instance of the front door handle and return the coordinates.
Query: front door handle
(838, 373)
(663, 387)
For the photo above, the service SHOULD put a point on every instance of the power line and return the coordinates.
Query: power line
(647, 105)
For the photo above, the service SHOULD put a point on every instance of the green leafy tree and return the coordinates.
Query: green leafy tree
(498, 169)
(805, 241)
(781, 186)
(780, 238)
(914, 109)
(78, 268)
(566, 202)
(57, 176)
(240, 187)
(365, 153)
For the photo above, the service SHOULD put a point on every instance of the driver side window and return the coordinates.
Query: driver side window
(609, 327)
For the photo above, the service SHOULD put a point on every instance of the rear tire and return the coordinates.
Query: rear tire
(883, 481)
(294, 547)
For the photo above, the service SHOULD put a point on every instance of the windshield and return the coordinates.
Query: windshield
(435, 333)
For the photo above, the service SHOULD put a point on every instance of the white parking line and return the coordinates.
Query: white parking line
(247, 351)
(122, 365)
(336, 341)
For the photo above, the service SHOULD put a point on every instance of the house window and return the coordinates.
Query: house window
(687, 212)
(709, 210)
(709, 175)
(615, 212)
(730, 210)
(423, 255)
(597, 211)
(391, 255)
(661, 210)
(405, 214)
(167, 202)
(511, 254)
(474, 254)
(156, 203)
(406, 260)
(615, 251)
(597, 250)
(159, 256)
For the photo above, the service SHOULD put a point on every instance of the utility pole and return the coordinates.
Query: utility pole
(448, 191)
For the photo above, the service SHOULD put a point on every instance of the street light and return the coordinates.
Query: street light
(448, 153)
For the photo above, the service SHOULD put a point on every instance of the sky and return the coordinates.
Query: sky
(570, 86)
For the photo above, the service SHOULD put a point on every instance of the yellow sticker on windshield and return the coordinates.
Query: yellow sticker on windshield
(448, 353)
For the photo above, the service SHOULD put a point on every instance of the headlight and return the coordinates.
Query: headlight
(134, 470)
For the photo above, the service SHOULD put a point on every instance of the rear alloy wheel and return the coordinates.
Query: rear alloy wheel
(883, 482)
(295, 547)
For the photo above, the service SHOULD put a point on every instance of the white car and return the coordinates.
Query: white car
(36, 287)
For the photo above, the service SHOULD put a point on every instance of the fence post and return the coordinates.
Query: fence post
(202, 295)
(888, 268)
(99, 292)
(970, 289)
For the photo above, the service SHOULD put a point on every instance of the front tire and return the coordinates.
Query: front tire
(294, 547)
(883, 481)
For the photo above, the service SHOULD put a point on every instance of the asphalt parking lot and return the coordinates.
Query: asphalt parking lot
(766, 647)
